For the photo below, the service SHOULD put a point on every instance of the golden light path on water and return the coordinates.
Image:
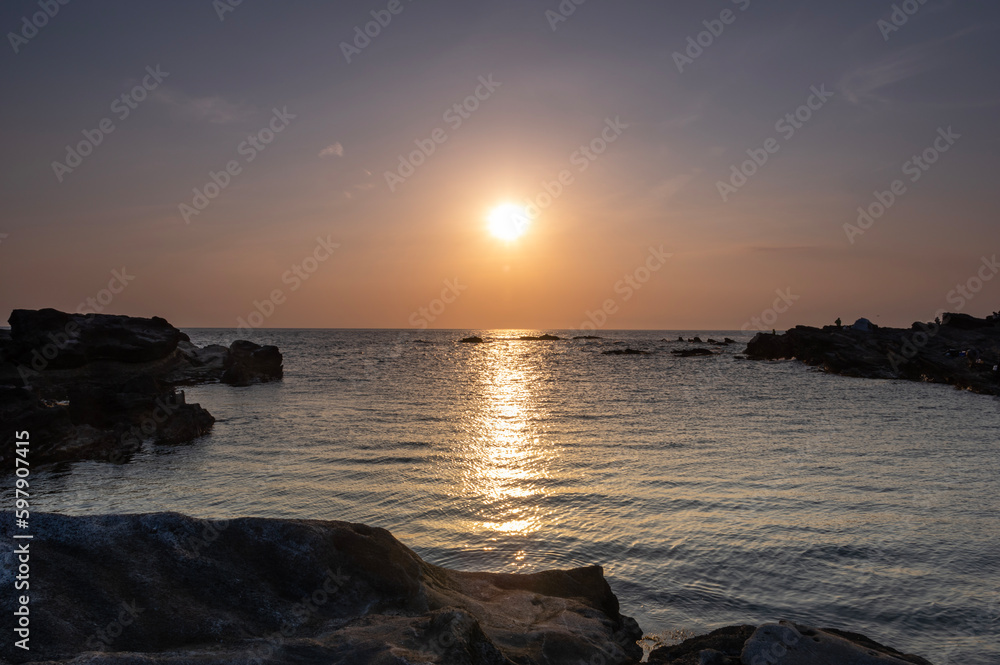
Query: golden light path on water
(507, 461)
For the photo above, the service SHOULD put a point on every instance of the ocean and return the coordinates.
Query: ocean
(712, 490)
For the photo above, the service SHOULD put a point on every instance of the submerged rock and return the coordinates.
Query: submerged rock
(472, 340)
(626, 352)
(540, 338)
(304, 591)
(688, 353)
(587, 337)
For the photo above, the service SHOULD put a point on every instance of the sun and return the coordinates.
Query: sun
(509, 221)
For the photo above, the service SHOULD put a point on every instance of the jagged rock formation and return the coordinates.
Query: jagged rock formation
(96, 386)
(962, 351)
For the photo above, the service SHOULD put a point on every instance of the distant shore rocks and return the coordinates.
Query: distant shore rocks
(96, 386)
(692, 353)
(304, 591)
(472, 340)
(540, 338)
(960, 350)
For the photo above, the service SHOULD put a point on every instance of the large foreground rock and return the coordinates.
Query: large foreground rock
(166, 588)
(961, 351)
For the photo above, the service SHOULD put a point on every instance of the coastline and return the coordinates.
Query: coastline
(166, 588)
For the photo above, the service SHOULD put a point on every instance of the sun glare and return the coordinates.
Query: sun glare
(509, 221)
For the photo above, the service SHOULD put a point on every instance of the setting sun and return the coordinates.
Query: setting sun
(509, 221)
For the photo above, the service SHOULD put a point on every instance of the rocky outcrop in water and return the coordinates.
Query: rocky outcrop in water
(95, 386)
(166, 588)
(962, 351)
(692, 353)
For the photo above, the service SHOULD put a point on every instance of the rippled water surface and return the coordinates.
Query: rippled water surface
(712, 490)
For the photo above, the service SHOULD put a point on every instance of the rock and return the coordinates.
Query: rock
(729, 341)
(79, 339)
(587, 337)
(95, 386)
(688, 353)
(783, 643)
(472, 340)
(791, 644)
(304, 591)
(680, 339)
(696, 340)
(626, 352)
(54, 436)
(722, 647)
(248, 363)
(540, 338)
(768, 346)
(924, 352)
(237, 375)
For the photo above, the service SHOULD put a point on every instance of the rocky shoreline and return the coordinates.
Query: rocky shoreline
(959, 350)
(165, 588)
(96, 386)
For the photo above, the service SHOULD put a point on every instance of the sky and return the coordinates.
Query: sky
(677, 165)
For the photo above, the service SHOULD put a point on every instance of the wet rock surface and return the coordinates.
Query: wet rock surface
(96, 386)
(782, 643)
(280, 591)
(961, 351)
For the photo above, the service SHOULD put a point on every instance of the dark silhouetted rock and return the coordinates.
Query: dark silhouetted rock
(74, 340)
(587, 337)
(252, 363)
(96, 385)
(53, 435)
(302, 591)
(723, 647)
(626, 352)
(472, 340)
(689, 353)
(932, 352)
(783, 643)
(540, 338)
(799, 645)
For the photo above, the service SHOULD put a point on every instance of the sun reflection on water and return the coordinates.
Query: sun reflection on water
(507, 460)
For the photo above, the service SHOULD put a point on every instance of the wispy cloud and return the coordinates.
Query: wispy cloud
(868, 83)
(214, 109)
(334, 150)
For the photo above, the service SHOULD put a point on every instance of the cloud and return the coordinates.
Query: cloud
(213, 109)
(335, 150)
(867, 84)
